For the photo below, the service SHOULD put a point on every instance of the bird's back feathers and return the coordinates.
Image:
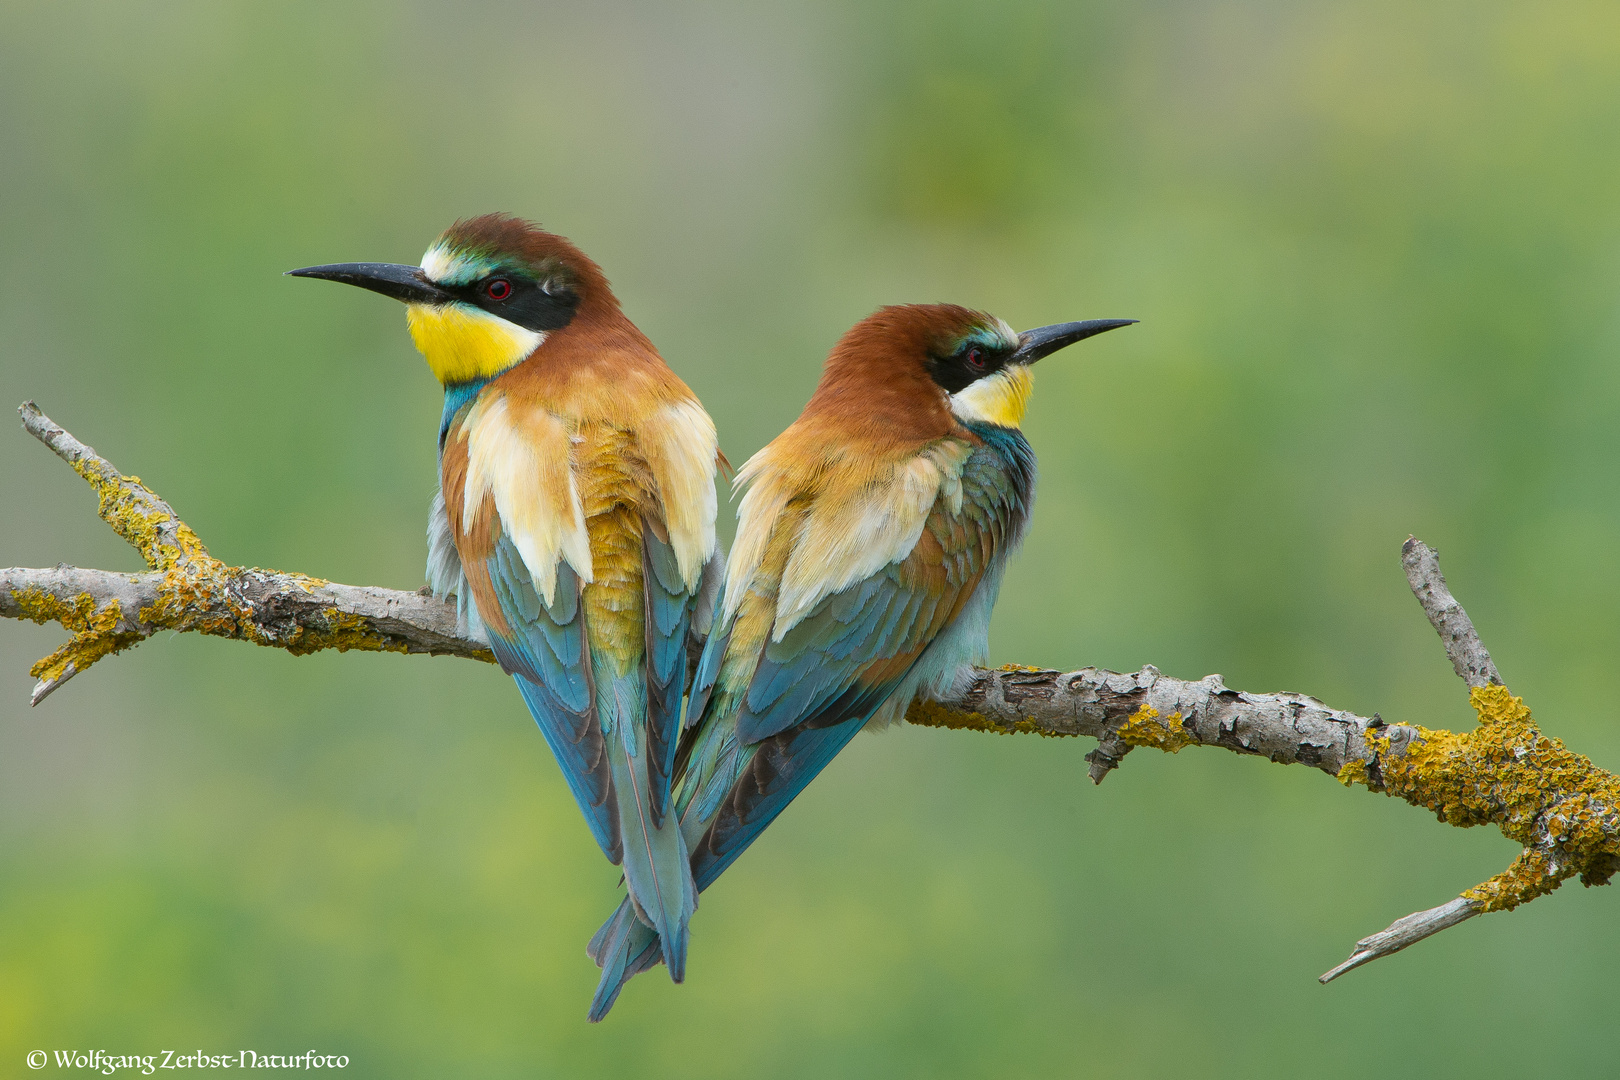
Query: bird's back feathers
(871, 544)
(579, 487)
(776, 707)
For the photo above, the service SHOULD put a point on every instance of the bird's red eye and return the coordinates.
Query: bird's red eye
(975, 358)
(499, 289)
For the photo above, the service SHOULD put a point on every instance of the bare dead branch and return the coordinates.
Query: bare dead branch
(1562, 809)
(1468, 656)
(1404, 932)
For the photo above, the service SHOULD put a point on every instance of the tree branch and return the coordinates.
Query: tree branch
(186, 588)
(1469, 659)
(1562, 809)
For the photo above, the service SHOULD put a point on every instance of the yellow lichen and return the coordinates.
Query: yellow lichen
(1507, 773)
(187, 597)
(345, 631)
(1143, 729)
(95, 633)
(1354, 772)
(933, 714)
(1530, 876)
(40, 606)
(121, 505)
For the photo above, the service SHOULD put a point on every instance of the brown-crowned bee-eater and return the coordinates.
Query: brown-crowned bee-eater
(870, 550)
(576, 512)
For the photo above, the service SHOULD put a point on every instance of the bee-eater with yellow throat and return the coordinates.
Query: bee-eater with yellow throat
(869, 552)
(574, 521)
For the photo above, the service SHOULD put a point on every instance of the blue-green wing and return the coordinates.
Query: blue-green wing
(669, 608)
(811, 693)
(813, 690)
(547, 653)
(854, 647)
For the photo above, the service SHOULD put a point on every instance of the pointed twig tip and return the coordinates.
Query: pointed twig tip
(1406, 931)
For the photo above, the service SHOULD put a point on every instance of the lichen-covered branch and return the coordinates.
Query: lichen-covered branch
(1563, 810)
(186, 588)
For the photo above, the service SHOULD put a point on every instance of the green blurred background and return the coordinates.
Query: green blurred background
(1375, 249)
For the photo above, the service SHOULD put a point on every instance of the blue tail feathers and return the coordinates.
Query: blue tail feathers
(657, 868)
(624, 947)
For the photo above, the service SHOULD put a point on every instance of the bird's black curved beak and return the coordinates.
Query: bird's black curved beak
(406, 283)
(1045, 340)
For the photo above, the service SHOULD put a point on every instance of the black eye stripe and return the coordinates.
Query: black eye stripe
(966, 366)
(524, 302)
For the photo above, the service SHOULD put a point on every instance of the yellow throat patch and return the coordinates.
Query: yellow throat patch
(463, 343)
(999, 399)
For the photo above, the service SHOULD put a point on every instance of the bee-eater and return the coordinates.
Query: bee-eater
(869, 552)
(576, 510)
